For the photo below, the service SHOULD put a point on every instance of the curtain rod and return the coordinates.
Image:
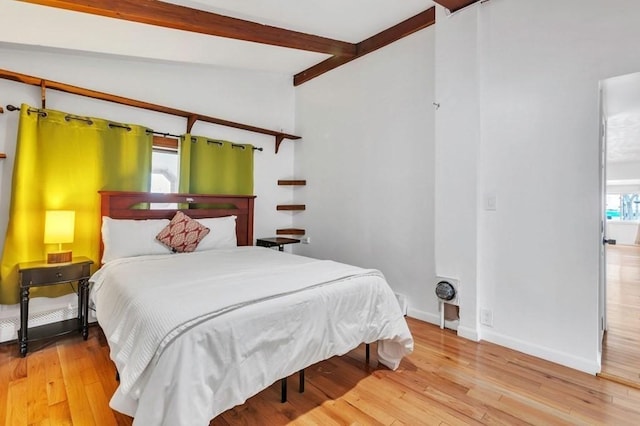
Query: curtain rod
(121, 126)
(191, 117)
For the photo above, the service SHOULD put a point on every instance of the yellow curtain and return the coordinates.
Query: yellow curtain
(62, 161)
(209, 166)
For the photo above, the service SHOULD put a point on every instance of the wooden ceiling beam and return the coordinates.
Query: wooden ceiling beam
(454, 5)
(319, 69)
(169, 15)
(403, 29)
(384, 38)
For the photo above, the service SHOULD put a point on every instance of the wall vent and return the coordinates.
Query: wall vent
(449, 302)
(455, 283)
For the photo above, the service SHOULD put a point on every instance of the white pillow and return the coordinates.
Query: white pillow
(222, 234)
(130, 237)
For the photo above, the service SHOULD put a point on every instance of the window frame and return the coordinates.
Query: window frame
(163, 144)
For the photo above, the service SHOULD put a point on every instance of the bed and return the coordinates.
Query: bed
(194, 334)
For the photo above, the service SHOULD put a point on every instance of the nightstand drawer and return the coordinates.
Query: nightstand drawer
(55, 274)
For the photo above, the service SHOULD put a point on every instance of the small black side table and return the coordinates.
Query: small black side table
(42, 274)
(276, 242)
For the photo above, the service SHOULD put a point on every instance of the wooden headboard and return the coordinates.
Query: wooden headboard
(135, 205)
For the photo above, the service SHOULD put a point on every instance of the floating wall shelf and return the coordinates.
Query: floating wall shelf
(292, 182)
(190, 116)
(290, 231)
(291, 207)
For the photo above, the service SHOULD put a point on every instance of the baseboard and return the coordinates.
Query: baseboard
(552, 355)
(568, 360)
(465, 332)
(468, 333)
(433, 319)
(423, 316)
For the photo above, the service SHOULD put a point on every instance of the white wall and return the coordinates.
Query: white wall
(539, 66)
(457, 156)
(260, 99)
(367, 155)
(517, 83)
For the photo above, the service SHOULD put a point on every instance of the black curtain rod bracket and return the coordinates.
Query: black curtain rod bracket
(164, 134)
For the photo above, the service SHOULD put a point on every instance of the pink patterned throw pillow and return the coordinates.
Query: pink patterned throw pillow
(182, 234)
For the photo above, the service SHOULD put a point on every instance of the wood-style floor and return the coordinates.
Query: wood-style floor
(446, 381)
(621, 345)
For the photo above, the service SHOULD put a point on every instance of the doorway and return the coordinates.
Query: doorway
(620, 286)
(621, 344)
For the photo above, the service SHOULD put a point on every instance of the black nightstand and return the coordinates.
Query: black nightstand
(42, 274)
(276, 242)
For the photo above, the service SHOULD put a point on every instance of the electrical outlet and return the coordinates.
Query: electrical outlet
(490, 202)
(305, 240)
(486, 317)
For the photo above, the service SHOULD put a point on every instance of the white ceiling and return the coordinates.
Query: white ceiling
(351, 21)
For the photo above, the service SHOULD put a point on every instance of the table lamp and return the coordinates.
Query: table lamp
(58, 229)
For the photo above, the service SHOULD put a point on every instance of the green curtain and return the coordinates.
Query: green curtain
(209, 166)
(61, 163)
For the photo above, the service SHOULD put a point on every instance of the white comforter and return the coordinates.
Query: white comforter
(193, 335)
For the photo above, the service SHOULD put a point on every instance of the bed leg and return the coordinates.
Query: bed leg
(283, 390)
(367, 353)
(301, 377)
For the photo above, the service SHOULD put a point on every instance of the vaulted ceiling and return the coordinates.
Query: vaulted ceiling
(304, 39)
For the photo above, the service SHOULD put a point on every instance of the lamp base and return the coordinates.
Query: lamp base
(59, 257)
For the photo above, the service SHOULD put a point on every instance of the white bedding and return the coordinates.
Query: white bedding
(195, 334)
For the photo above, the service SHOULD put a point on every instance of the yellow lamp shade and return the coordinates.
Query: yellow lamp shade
(58, 229)
(59, 226)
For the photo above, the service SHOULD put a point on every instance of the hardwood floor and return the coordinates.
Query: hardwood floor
(447, 380)
(621, 346)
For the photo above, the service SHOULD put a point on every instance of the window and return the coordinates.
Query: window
(623, 207)
(164, 175)
(164, 171)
